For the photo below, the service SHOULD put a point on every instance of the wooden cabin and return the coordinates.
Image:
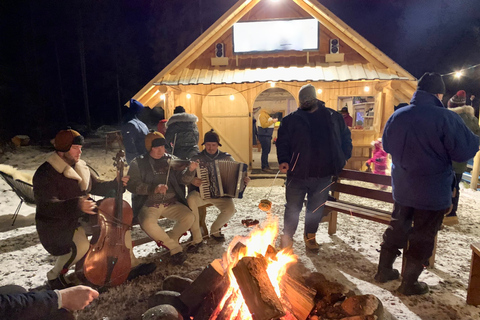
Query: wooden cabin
(221, 79)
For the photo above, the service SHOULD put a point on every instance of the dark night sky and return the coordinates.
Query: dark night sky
(126, 43)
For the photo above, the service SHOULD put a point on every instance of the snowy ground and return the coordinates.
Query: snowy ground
(350, 256)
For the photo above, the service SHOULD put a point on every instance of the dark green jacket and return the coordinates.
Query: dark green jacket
(467, 115)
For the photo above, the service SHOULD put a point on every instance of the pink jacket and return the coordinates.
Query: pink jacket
(379, 159)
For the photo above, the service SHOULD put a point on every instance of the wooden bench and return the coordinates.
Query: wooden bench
(365, 212)
(473, 292)
(202, 213)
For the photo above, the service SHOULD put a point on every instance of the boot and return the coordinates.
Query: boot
(311, 244)
(178, 258)
(385, 271)
(410, 284)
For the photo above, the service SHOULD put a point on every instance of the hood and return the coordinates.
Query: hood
(463, 109)
(182, 117)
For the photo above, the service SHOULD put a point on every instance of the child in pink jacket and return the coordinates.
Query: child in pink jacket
(379, 159)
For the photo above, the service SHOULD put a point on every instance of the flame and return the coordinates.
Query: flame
(257, 243)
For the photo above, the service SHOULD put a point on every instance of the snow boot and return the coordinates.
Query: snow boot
(311, 244)
(385, 271)
(410, 285)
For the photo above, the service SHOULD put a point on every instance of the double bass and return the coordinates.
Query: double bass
(107, 262)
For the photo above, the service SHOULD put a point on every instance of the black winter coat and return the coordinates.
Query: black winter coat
(294, 141)
(28, 306)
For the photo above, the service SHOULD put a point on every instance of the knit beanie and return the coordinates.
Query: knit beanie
(307, 93)
(431, 82)
(458, 100)
(154, 139)
(136, 106)
(211, 136)
(179, 109)
(66, 138)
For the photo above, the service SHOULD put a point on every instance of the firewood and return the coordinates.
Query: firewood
(256, 288)
(212, 300)
(206, 282)
(297, 298)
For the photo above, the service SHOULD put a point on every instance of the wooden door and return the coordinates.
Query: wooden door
(230, 119)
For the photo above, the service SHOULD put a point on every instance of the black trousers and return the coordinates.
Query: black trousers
(458, 178)
(416, 227)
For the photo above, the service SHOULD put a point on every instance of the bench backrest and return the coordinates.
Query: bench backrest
(373, 194)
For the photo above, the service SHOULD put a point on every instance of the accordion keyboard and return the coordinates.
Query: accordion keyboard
(202, 173)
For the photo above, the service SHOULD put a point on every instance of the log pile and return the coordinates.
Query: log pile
(209, 297)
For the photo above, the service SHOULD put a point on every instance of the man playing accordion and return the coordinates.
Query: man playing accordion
(207, 157)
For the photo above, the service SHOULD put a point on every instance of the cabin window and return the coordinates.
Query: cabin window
(361, 109)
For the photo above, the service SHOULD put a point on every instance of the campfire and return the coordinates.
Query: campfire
(251, 282)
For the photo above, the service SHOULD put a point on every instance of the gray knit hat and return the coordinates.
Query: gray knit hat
(307, 93)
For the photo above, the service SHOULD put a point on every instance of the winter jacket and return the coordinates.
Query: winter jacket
(467, 115)
(57, 188)
(423, 139)
(133, 134)
(379, 160)
(266, 124)
(183, 125)
(147, 173)
(294, 141)
(29, 305)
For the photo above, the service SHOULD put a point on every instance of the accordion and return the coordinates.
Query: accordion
(222, 178)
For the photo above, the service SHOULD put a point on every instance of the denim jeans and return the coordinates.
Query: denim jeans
(266, 143)
(316, 190)
(420, 235)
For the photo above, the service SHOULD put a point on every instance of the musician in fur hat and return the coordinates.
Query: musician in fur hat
(156, 197)
(61, 186)
(207, 158)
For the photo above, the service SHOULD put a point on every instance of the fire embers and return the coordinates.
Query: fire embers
(265, 205)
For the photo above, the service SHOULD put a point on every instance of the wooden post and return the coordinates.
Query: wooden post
(473, 292)
(256, 288)
(475, 172)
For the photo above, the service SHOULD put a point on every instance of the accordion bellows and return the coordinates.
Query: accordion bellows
(222, 178)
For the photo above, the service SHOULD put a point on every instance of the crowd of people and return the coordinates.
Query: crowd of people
(313, 145)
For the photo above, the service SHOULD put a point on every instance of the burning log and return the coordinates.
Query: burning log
(256, 288)
(210, 278)
(297, 298)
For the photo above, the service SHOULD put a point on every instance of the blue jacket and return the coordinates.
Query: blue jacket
(133, 133)
(295, 139)
(423, 139)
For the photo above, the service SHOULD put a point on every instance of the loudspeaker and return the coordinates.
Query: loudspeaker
(220, 50)
(334, 46)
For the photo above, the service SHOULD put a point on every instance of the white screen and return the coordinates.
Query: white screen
(275, 35)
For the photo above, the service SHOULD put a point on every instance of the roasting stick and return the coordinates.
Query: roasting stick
(265, 204)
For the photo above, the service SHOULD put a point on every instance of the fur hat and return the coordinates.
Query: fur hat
(154, 139)
(431, 82)
(179, 109)
(211, 136)
(136, 106)
(458, 100)
(66, 138)
(307, 93)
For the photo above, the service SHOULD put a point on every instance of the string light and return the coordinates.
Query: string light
(319, 91)
(459, 73)
(232, 97)
(366, 89)
(189, 95)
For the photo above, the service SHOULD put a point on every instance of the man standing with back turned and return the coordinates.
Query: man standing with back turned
(423, 139)
(313, 145)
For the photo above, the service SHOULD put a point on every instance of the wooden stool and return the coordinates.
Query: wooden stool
(473, 292)
(112, 137)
